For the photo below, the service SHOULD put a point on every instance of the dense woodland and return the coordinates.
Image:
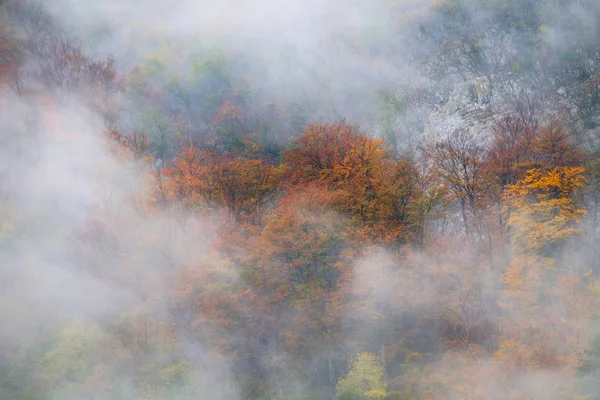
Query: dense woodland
(214, 222)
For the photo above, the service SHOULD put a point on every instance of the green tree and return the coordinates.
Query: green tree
(365, 379)
(74, 364)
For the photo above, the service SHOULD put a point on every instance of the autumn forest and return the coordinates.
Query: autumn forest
(303, 200)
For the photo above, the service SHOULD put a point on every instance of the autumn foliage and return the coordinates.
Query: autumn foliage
(257, 257)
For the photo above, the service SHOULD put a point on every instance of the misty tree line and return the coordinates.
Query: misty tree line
(261, 245)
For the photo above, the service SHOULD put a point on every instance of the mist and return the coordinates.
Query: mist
(299, 199)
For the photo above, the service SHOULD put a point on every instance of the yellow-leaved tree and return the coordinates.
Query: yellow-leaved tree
(544, 210)
(542, 303)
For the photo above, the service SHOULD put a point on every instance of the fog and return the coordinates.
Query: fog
(129, 271)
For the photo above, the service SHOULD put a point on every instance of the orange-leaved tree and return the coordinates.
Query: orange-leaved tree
(296, 267)
(376, 190)
(204, 178)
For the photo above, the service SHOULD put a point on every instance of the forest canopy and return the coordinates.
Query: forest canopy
(392, 200)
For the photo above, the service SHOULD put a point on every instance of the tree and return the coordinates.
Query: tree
(509, 156)
(510, 153)
(76, 362)
(200, 179)
(242, 186)
(458, 160)
(378, 191)
(545, 209)
(185, 186)
(553, 147)
(365, 379)
(544, 217)
(332, 153)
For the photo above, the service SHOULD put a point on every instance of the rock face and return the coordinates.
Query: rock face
(470, 107)
(473, 107)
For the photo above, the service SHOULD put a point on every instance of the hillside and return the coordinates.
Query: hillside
(299, 200)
